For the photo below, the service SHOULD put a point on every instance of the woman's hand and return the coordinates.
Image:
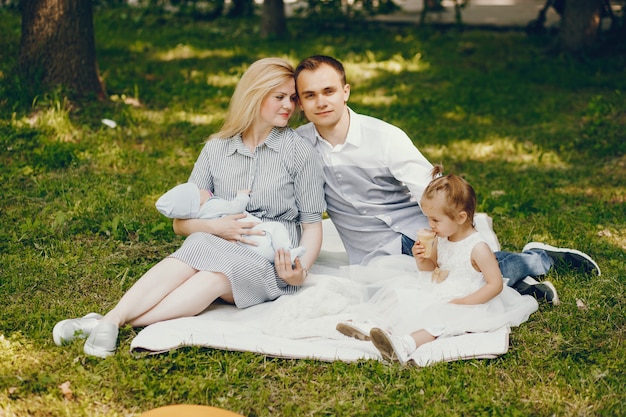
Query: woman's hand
(285, 270)
(227, 227)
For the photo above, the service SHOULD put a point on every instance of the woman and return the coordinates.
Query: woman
(254, 150)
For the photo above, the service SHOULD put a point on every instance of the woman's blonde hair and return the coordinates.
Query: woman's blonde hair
(261, 78)
(458, 193)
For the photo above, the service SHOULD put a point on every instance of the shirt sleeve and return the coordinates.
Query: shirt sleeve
(201, 174)
(409, 165)
(308, 182)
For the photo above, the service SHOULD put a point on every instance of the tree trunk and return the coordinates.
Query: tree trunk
(580, 25)
(273, 21)
(58, 45)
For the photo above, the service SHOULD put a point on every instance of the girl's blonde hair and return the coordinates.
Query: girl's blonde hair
(261, 78)
(458, 193)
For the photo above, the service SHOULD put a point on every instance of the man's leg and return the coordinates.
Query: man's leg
(520, 268)
(407, 244)
(517, 266)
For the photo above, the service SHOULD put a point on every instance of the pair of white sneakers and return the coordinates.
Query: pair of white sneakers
(101, 336)
(391, 348)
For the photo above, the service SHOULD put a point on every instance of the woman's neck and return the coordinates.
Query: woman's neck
(254, 136)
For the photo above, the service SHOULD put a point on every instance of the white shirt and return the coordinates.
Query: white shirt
(373, 184)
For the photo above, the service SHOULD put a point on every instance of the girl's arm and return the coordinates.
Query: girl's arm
(485, 261)
(227, 227)
(312, 240)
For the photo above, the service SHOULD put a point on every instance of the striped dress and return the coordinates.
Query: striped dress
(285, 176)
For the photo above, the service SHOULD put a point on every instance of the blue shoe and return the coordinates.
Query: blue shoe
(102, 341)
(542, 291)
(572, 257)
(67, 330)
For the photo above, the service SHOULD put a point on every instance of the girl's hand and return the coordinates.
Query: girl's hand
(286, 271)
(423, 263)
(418, 250)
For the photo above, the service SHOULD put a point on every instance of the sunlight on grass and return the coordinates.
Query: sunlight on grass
(223, 80)
(460, 115)
(54, 117)
(498, 148)
(16, 355)
(378, 97)
(32, 386)
(372, 66)
(167, 117)
(183, 51)
(614, 236)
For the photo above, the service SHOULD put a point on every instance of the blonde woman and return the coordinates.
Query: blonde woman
(254, 150)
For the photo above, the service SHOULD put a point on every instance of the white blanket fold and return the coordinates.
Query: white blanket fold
(302, 326)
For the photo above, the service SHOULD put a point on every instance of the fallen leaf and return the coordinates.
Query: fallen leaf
(580, 304)
(66, 391)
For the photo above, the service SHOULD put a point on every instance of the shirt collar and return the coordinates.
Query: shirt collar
(354, 137)
(272, 141)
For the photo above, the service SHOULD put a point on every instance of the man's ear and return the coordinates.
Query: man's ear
(346, 93)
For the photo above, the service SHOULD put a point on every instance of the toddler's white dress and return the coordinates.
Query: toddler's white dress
(409, 300)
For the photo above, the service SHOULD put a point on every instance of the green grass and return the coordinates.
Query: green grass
(540, 137)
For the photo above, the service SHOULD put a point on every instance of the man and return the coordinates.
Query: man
(375, 177)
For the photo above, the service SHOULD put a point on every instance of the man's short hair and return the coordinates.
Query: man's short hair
(314, 62)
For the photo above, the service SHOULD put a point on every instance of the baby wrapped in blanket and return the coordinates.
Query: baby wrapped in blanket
(185, 202)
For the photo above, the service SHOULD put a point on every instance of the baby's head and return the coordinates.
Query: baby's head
(451, 195)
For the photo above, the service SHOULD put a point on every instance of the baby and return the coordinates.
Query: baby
(187, 201)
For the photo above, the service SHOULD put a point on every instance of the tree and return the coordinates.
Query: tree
(58, 46)
(580, 25)
(273, 21)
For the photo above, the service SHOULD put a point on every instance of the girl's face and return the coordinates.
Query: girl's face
(439, 221)
(278, 106)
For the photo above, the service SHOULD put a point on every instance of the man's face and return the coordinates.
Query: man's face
(322, 96)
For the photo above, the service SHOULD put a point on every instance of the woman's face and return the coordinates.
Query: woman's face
(278, 106)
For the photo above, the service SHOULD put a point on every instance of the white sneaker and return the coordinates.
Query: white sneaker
(391, 347)
(67, 330)
(358, 330)
(102, 341)
(573, 257)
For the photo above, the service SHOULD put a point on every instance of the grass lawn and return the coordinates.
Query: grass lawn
(540, 137)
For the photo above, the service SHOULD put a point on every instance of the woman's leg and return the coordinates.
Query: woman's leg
(188, 299)
(150, 290)
(169, 290)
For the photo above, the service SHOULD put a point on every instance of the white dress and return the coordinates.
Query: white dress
(408, 300)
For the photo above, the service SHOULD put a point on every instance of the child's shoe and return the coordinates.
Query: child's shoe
(391, 347)
(358, 330)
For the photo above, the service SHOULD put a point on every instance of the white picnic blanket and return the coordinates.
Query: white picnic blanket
(303, 325)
